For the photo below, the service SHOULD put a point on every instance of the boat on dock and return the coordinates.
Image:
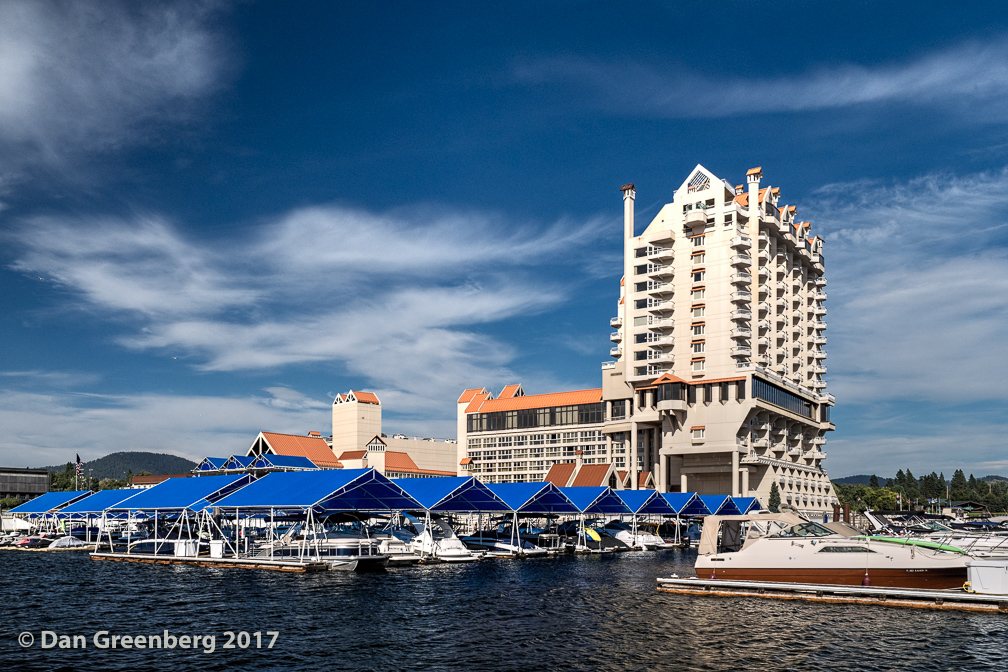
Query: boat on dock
(785, 548)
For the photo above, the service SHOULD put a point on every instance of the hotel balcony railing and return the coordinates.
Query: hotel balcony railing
(741, 260)
(616, 322)
(819, 441)
(663, 288)
(616, 337)
(741, 332)
(781, 303)
(819, 454)
(741, 314)
(763, 360)
(659, 271)
(741, 279)
(665, 306)
(661, 324)
(741, 296)
(608, 364)
(764, 324)
(819, 339)
(615, 352)
(657, 356)
(741, 351)
(743, 364)
(819, 354)
(741, 241)
(820, 282)
(764, 271)
(662, 342)
(694, 217)
(794, 451)
(664, 254)
(819, 368)
(763, 255)
(819, 310)
(818, 324)
(819, 295)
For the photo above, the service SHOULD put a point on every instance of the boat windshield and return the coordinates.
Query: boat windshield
(805, 530)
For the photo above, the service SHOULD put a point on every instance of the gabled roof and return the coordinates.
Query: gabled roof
(468, 395)
(560, 474)
(599, 500)
(50, 501)
(477, 399)
(465, 461)
(312, 447)
(353, 455)
(645, 501)
(510, 391)
(592, 475)
(324, 491)
(668, 378)
(176, 494)
(452, 493)
(402, 463)
(538, 401)
(362, 397)
(758, 170)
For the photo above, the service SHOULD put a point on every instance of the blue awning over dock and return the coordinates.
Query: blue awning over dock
(97, 503)
(458, 494)
(645, 502)
(599, 500)
(533, 498)
(176, 494)
(239, 462)
(49, 502)
(211, 464)
(325, 491)
(282, 462)
(720, 505)
(746, 504)
(686, 503)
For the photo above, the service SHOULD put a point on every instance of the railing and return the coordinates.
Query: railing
(741, 278)
(741, 241)
(615, 352)
(608, 364)
(743, 365)
(741, 332)
(615, 337)
(616, 322)
(741, 296)
(818, 324)
(820, 282)
(740, 351)
(741, 259)
(741, 315)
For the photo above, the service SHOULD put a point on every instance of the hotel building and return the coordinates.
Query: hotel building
(716, 383)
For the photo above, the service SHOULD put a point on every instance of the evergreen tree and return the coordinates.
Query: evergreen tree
(873, 481)
(959, 486)
(774, 503)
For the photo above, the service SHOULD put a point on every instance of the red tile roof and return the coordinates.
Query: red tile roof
(539, 401)
(353, 455)
(403, 463)
(476, 401)
(758, 170)
(626, 187)
(643, 478)
(592, 475)
(467, 395)
(365, 397)
(509, 391)
(318, 434)
(466, 460)
(312, 447)
(668, 378)
(560, 474)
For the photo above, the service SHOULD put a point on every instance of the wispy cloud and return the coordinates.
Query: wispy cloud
(973, 75)
(92, 75)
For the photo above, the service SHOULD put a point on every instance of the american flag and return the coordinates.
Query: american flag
(80, 467)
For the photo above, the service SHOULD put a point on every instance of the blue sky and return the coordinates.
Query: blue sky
(213, 217)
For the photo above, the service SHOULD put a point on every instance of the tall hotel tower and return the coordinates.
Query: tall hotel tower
(716, 384)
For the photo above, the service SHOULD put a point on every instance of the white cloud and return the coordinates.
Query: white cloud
(973, 75)
(91, 75)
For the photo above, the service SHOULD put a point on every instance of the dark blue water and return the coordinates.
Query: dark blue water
(584, 613)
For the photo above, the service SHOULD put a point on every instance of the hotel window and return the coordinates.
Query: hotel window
(640, 321)
(698, 347)
(641, 287)
(698, 294)
(698, 241)
(698, 365)
(698, 330)
(641, 303)
(641, 252)
(698, 276)
(698, 432)
(698, 258)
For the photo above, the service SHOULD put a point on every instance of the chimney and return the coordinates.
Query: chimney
(629, 194)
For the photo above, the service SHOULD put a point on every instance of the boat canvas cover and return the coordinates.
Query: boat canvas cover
(326, 490)
(645, 502)
(452, 494)
(686, 503)
(98, 502)
(176, 494)
(600, 500)
(746, 504)
(533, 497)
(720, 505)
(211, 464)
(49, 502)
(283, 462)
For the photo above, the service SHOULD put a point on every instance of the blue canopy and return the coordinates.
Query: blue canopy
(746, 504)
(686, 503)
(645, 501)
(191, 493)
(239, 461)
(720, 505)
(327, 490)
(452, 493)
(211, 464)
(282, 462)
(597, 500)
(533, 497)
(50, 502)
(98, 502)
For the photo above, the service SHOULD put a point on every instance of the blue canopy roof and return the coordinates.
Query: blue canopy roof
(533, 497)
(283, 462)
(326, 490)
(452, 493)
(598, 500)
(50, 501)
(746, 504)
(645, 501)
(239, 461)
(176, 494)
(686, 503)
(98, 502)
(211, 464)
(720, 505)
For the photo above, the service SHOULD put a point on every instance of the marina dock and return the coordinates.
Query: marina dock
(945, 600)
(236, 563)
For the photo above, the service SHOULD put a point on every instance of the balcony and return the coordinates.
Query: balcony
(741, 242)
(765, 341)
(662, 342)
(763, 255)
(668, 235)
(660, 271)
(764, 272)
(741, 279)
(818, 324)
(741, 332)
(616, 322)
(616, 337)
(820, 282)
(819, 441)
(781, 352)
(661, 306)
(696, 217)
(741, 314)
(819, 369)
(661, 288)
(741, 260)
(817, 384)
(741, 296)
(661, 254)
(763, 360)
(819, 354)
(764, 324)
(761, 443)
(661, 324)
(818, 454)
(819, 339)
(741, 351)
(819, 295)
(660, 357)
(615, 352)
(795, 452)
(781, 303)
(819, 311)
(780, 319)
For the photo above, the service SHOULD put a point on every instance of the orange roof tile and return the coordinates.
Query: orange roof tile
(467, 395)
(622, 476)
(365, 397)
(312, 447)
(668, 378)
(341, 398)
(643, 478)
(742, 199)
(560, 474)
(353, 455)
(626, 187)
(477, 400)
(697, 427)
(396, 461)
(466, 460)
(592, 475)
(540, 401)
(509, 391)
(318, 434)
(758, 170)
(420, 472)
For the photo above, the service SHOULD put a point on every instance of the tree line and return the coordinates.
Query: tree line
(910, 492)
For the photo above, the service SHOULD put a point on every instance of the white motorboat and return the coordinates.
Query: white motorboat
(436, 540)
(635, 538)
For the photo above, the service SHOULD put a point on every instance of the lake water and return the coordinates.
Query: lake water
(571, 613)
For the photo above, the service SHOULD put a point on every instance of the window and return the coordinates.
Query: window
(698, 258)
(698, 433)
(640, 321)
(640, 355)
(698, 365)
(698, 329)
(640, 270)
(691, 394)
(641, 303)
(698, 241)
(708, 393)
(640, 252)
(641, 287)
(724, 392)
(698, 294)
(698, 311)
(698, 276)
(698, 347)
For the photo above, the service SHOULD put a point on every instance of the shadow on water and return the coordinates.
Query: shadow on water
(567, 613)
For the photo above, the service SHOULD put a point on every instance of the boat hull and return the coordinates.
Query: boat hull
(938, 578)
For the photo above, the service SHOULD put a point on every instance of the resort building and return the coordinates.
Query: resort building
(716, 383)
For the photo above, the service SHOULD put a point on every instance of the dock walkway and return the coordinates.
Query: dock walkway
(203, 561)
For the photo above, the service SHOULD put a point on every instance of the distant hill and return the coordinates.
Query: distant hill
(857, 479)
(117, 465)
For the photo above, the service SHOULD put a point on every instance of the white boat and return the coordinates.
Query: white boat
(783, 547)
(635, 539)
(436, 540)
